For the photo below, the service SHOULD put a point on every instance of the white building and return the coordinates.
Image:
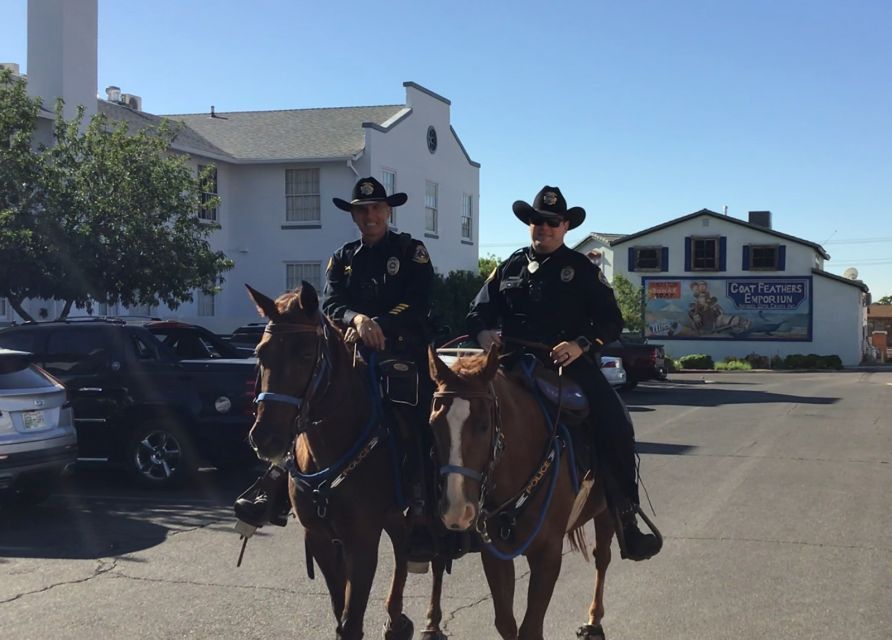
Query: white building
(718, 285)
(277, 171)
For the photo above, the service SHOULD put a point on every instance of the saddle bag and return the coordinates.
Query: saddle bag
(399, 380)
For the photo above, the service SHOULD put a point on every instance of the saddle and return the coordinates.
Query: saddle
(536, 376)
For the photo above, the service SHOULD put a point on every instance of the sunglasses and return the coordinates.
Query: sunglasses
(554, 223)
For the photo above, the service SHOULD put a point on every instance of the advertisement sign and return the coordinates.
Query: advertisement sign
(741, 308)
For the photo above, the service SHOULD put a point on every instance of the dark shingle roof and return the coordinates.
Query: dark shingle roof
(289, 135)
(713, 214)
(187, 139)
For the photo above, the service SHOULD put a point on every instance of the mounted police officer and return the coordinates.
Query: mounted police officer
(547, 292)
(378, 289)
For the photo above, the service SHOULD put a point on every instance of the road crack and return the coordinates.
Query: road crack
(102, 568)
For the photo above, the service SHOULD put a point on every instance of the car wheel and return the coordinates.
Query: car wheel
(630, 384)
(159, 456)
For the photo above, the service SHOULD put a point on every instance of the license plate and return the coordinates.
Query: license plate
(34, 420)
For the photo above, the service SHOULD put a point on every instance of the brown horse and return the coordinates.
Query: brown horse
(505, 475)
(317, 417)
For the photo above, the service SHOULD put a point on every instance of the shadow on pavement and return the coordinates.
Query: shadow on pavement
(664, 448)
(97, 513)
(713, 396)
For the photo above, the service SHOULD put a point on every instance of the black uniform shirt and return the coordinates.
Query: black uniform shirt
(389, 281)
(564, 298)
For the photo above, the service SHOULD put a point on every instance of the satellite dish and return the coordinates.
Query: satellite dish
(851, 273)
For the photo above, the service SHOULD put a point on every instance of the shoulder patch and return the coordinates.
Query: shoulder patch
(603, 279)
(421, 255)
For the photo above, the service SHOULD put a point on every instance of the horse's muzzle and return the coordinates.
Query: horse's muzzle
(267, 445)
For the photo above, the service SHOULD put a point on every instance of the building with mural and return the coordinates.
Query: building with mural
(722, 286)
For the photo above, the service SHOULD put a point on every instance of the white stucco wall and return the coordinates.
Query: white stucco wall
(838, 317)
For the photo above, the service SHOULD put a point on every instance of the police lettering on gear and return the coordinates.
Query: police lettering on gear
(548, 293)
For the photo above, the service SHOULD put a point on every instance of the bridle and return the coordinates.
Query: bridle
(318, 377)
(497, 443)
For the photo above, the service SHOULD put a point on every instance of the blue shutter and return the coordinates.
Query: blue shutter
(631, 259)
(723, 249)
(782, 257)
(687, 254)
(664, 259)
(746, 257)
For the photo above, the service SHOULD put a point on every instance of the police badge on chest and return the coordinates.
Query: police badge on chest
(393, 266)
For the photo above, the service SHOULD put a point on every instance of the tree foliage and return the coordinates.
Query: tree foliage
(451, 299)
(630, 299)
(102, 215)
(885, 300)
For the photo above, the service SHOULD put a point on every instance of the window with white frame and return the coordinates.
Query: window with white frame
(388, 179)
(296, 272)
(430, 207)
(467, 210)
(207, 175)
(302, 195)
(206, 303)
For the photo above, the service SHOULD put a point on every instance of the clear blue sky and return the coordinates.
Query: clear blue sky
(640, 110)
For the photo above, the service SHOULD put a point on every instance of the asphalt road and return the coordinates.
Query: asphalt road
(772, 490)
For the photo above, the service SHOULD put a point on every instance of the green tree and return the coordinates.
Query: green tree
(114, 219)
(486, 265)
(630, 299)
(451, 299)
(885, 300)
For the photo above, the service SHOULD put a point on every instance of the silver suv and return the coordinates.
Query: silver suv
(37, 436)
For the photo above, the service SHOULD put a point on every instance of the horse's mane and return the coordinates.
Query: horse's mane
(470, 368)
(289, 306)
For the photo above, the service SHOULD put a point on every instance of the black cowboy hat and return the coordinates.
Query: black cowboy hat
(549, 203)
(367, 191)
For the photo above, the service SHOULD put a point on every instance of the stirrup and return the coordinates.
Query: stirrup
(620, 516)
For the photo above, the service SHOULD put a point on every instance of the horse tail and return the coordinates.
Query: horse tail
(576, 538)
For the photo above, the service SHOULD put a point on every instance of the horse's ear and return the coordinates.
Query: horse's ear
(438, 369)
(309, 299)
(492, 363)
(266, 307)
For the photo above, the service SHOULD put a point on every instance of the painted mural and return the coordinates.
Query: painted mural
(743, 308)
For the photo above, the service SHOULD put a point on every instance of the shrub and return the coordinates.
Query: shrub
(758, 362)
(777, 362)
(696, 361)
(734, 365)
(812, 361)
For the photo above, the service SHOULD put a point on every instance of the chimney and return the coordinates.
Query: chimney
(761, 218)
(62, 53)
(113, 93)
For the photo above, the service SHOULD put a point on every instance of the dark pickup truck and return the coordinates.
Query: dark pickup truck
(641, 360)
(137, 404)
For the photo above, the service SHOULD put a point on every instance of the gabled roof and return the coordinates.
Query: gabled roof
(187, 139)
(718, 216)
(833, 276)
(294, 134)
(604, 238)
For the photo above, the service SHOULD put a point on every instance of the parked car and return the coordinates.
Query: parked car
(37, 434)
(194, 342)
(642, 360)
(613, 370)
(136, 404)
(246, 337)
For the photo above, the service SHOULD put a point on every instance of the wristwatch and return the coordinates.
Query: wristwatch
(584, 343)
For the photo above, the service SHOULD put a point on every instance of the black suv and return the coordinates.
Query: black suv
(137, 404)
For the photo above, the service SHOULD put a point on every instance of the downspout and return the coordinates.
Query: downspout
(350, 162)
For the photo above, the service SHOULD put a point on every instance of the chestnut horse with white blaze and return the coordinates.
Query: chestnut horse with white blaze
(318, 416)
(507, 473)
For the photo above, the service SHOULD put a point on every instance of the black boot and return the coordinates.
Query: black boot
(633, 544)
(265, 500)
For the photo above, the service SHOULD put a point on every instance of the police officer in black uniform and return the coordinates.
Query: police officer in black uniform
(548, 293)
(378, 288)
